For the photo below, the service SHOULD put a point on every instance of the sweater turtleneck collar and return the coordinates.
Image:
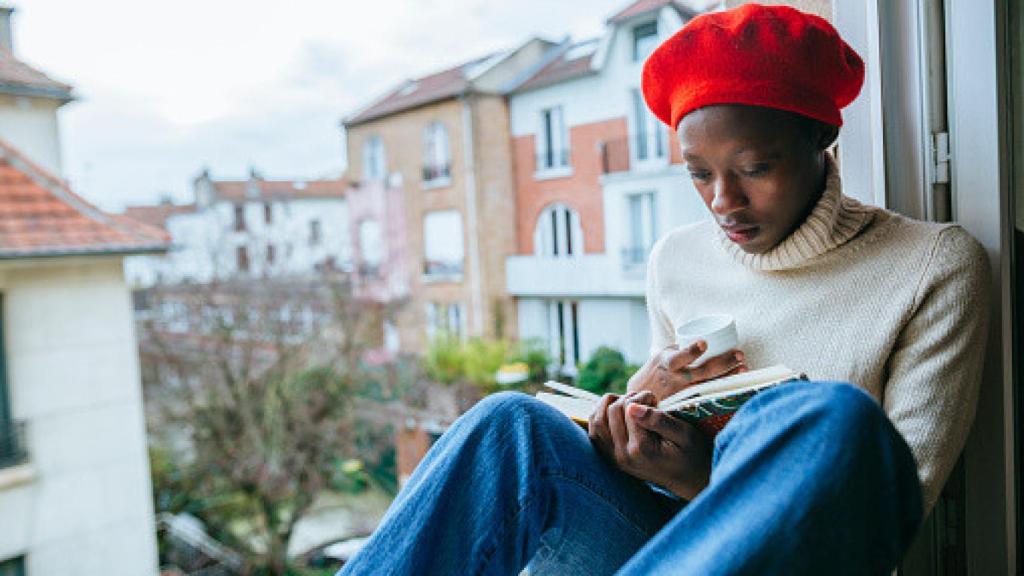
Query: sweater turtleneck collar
(834, 220)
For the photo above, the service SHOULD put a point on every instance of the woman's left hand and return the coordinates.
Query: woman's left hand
(651, 445)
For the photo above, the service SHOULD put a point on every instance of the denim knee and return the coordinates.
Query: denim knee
(505, 408)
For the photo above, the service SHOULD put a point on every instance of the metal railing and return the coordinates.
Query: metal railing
(552, 160)
(440, 268)
(12, 444)
(620, 154)
(438, 172)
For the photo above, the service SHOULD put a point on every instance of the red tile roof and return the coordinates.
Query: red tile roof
(562, 68)
(641, 7)
(40, 216)
(236, 190)
(157, 215)
(412, 93)
(19, 78)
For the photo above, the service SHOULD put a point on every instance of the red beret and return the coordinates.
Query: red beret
(772, 56)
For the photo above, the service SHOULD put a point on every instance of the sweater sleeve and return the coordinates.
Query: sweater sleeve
(935, 368)
(661, 328)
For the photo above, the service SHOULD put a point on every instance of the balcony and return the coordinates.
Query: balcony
(633, 153)
(12, 444)
(587, 275)
(437, 176)
(552, 164)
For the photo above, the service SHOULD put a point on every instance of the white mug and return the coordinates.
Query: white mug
(718, 330)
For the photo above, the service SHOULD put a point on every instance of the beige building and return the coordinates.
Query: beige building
(444, 141)
(75, 495)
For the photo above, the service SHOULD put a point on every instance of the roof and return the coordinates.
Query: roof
(20, 79)
(237, 190)
(641, 7)
(573, 62)
(40, 217)
(157, 216)
(421, 91)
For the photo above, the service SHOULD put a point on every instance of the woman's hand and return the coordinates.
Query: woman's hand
(668, 372)
(651, 445)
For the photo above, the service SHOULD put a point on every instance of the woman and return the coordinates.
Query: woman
(818, 477)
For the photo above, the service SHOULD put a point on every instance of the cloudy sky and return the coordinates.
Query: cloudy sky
(166, 88)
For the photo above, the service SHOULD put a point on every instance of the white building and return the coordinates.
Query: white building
(247, 228)
(606, 182)
(75, 494)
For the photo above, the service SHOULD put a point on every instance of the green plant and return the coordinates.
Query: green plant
(605, 371)
(444, 361)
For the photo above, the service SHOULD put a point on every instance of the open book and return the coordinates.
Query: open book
(708, 405)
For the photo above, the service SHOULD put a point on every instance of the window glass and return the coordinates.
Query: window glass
(645, 40)
(443, 243)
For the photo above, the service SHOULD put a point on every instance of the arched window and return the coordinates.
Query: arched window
(558, 232)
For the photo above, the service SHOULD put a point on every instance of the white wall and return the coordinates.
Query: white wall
(619, 323)
(30, 125)
(73, 375)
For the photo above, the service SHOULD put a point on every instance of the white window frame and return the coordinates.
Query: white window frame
(437, 162)
(648, 144)
(374, 159)
(641, 228)
(558, 233)
(564, 335)
(641, 51)
(552, 144)
(436, 270)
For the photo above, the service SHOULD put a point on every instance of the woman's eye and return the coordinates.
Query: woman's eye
(701, 175)
(757, 170)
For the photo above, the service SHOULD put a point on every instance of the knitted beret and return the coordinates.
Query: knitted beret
(772, 56)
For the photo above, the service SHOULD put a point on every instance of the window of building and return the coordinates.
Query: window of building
(645, 40)
(315, 233)
(374, 164)
(11, 440)
(443, 243)
(371, 245)
(436, 154)
(242, 258)
(563, 334)
(446, 319)
(553, 140)
(268, 213)
(271, 253)
(558, 232)
(641, 231)
(649, 138)
(239, 217)
(13, 567)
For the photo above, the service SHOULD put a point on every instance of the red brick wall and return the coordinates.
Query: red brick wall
(581, 191)
(410, 447)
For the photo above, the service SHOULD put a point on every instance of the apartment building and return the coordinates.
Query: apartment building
(438, 146)
(598, 181)
(252, 228)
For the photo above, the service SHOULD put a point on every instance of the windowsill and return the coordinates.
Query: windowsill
(551, 173)
(441, 278)
(649, 164)
(17, 475)
(437, 183)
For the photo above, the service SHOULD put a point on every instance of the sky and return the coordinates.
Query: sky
(168, 88)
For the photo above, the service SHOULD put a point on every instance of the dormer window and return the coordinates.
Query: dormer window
(645, 40)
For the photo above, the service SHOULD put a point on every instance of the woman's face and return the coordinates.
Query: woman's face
(759, 171)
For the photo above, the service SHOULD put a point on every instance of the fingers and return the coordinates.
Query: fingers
(641, 444)
(718, 366)
(617, 426)
(674, 360)
(597, 427)
(652, 420)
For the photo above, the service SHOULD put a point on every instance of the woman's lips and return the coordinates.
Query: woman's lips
(740, 233)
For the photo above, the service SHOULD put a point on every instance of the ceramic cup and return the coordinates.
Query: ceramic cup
(718, 330)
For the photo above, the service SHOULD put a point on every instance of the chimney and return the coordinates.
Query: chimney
(6, 36)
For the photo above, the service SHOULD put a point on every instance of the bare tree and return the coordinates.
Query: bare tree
(252, 384)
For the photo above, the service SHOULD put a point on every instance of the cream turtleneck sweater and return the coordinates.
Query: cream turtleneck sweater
(857, 294)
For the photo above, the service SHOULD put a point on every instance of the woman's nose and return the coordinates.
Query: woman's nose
(729, 196)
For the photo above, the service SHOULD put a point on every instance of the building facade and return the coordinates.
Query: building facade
(443, 141)
(250, 228)
(598, 181)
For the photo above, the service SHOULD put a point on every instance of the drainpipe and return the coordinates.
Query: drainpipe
(472, 229)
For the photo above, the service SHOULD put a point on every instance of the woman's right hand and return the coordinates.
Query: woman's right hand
(668, 371)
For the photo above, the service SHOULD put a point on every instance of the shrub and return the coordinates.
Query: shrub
(605, 371)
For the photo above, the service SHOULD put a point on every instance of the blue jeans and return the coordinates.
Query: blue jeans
(807, 478)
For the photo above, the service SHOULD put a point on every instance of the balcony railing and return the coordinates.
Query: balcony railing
(633, 256)
(552, 160)
(12, 444)
(438, 172)
(439, 269)
(624, 154)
